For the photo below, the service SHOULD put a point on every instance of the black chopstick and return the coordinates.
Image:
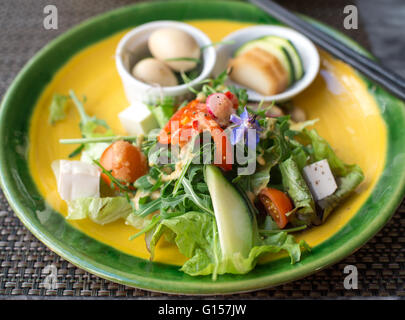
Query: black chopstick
(386, 78)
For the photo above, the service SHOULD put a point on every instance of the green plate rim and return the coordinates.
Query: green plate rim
(30, 207)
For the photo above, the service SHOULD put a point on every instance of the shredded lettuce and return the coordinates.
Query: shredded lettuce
(99, 210)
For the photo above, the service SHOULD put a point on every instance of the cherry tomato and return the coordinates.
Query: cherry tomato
(125, 161)
(191, 120)
(277, 204)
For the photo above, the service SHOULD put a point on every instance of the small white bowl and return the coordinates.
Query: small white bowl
(133, 47)
(307, 50)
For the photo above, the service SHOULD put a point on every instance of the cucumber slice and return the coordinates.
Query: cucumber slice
(292, 51)
(277, 50)
(234, 219)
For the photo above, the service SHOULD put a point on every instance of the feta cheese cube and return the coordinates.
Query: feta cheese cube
(320, 179)
(76, 179)
(138, 119)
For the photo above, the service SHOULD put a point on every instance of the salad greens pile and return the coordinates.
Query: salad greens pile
(173, 200)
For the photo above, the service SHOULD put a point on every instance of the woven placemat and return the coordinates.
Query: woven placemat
(24, 260)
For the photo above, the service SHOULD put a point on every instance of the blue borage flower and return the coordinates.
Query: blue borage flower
(244, 124)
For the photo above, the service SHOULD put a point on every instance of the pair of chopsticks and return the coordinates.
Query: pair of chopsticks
(386, 78)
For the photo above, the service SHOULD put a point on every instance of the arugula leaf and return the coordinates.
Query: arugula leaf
(219, 80)
(204, 204)
(88, 127)
(152, 181)
(242, 96)
(76, 152)
(57, 109)
(148, 208)
(149, 226)
(172, 202)
(182, 175)
(114, 181)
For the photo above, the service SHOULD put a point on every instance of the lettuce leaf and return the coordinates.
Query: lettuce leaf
(322, 150)
(57, 109)
(137, 221)
(99, 210)
(297, 189)
(348, 177)
(196, 236)
(93, 151)
(346, 185)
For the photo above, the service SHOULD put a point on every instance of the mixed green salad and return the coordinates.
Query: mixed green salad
(225, 180)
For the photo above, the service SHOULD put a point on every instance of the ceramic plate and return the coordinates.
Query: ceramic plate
(363, 123)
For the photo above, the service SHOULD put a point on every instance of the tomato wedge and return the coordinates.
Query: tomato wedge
(277, 204)
(125, 162)
(191, 120)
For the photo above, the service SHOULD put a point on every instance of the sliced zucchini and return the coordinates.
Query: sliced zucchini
(277, 50)
(292, 51)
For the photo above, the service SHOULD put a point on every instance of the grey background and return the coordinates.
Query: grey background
(381, 262)
(384, 23)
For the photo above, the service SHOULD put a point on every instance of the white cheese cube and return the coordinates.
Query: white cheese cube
(320, 179)
(76, 179)
(138, 119)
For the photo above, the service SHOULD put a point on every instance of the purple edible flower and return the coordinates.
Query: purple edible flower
(245, 124)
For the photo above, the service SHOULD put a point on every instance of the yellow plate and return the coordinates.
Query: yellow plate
(338, 97)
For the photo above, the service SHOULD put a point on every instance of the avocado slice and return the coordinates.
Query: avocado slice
(234, 219)
(277, 50)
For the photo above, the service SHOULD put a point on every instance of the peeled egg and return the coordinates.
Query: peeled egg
(171, 43)
(153, 71)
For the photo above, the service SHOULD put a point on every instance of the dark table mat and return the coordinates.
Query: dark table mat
(23, 259)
